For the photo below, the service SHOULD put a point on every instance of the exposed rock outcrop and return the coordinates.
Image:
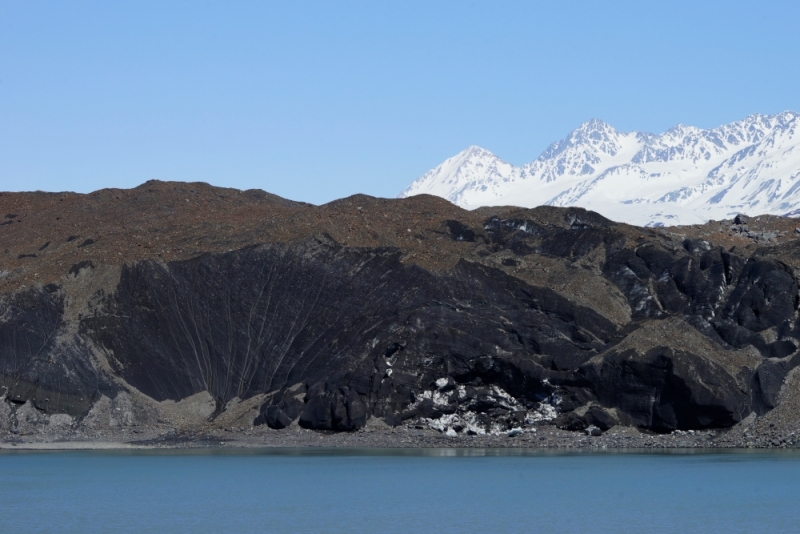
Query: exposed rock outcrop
(411, 311)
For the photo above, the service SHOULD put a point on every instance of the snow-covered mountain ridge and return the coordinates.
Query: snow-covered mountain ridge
(685, 175)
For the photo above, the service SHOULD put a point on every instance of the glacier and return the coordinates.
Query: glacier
(686, 175)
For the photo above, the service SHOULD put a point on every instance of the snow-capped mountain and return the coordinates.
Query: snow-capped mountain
(685, 175)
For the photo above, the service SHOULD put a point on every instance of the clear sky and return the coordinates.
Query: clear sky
(319, 100)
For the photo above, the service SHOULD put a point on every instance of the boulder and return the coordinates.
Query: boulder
(593, 431)
(599, 417)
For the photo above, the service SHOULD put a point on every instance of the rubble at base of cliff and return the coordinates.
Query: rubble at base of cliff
(117, 425)
(545, 437)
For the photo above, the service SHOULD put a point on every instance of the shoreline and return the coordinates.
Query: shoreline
(543, 438)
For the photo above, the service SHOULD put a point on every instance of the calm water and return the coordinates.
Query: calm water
(363, 491)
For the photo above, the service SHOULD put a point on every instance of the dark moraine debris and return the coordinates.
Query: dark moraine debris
(328, 317)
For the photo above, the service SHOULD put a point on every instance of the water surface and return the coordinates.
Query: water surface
(398, 491)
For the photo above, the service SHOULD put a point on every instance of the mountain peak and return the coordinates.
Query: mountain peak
(476, 151)
(593, 135)
(593, 125)
(684, 175)
(593, 130)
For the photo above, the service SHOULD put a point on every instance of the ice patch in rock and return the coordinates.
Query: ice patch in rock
(465, 422)
(442, 382)
(496, 429)
(543, 413)
(505, 400)
(439, 398)
(489, 410)
(442, 423)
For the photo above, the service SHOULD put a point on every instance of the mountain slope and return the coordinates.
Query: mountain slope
(177, 308)
(685, 175)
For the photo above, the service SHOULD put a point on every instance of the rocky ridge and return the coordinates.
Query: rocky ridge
(685, 175)
(183, 313)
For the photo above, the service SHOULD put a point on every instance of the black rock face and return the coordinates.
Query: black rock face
(664, 389)
(56, 377)
(358, 329)
(335, 335)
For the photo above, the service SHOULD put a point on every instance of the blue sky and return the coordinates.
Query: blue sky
(319, 100)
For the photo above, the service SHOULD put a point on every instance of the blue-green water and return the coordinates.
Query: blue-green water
(398, 491)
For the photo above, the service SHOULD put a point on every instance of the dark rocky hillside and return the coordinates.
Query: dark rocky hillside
(179, 306)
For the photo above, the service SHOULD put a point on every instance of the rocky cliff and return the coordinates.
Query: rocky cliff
(181, 305)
